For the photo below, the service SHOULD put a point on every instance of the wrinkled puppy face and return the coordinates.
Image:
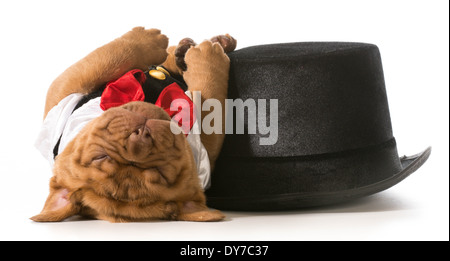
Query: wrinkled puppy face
(127, 165)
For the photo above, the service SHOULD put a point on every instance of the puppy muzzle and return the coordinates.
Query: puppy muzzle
(139, 144)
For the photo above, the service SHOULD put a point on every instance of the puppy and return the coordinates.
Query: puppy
(124, 162)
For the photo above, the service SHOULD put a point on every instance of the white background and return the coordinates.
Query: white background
(40, 39)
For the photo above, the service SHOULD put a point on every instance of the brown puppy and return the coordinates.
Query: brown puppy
(127, 164)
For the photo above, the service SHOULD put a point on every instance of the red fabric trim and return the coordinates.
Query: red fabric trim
(123, 90)
(178, 105)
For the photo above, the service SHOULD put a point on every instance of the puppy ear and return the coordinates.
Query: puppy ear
(58, 205)
(195, 211)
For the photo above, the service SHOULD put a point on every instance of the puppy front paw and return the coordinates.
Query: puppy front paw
(149, 45)
(206, 63)
(148, 37)
(206, 56)
(227, 42)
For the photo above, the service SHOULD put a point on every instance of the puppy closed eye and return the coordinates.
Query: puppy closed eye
(100, 157)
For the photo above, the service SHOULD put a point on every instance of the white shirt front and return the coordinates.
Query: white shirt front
(62, 121)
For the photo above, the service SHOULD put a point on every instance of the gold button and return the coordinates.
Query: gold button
(157, 74)
(159, 68)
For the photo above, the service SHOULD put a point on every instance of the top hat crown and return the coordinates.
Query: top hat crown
(334, 137)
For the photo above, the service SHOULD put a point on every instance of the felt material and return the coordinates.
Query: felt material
(331, 97)
(301, 199)
(334, 128)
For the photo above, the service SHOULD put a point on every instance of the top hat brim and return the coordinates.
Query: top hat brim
(290, 201)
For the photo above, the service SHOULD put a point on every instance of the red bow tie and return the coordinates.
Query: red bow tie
(128, 88)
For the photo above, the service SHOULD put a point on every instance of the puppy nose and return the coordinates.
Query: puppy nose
(141, 135)
(139, 143)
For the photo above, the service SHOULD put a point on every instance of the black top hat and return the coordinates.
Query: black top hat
(334, 142)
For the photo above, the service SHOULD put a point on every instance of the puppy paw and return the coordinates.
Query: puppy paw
(206, 62)
(180, 52)
(227, 42)
(148, 37)
(149, 44)
(206, 55)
